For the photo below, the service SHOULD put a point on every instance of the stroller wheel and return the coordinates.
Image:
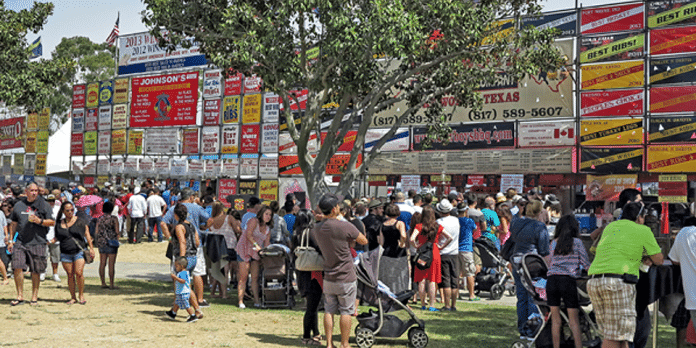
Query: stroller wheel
(497, 291)
(519, 344)
(417, 337)
(364, 337)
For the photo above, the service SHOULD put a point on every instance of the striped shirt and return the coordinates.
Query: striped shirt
(571, 264)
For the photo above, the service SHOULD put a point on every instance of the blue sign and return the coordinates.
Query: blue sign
(566, 22)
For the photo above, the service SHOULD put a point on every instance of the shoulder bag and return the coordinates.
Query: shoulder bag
(308, 258)
(509, 246)
(424, 256)
(88, 257)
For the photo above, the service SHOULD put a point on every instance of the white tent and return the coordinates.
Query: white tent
(59, 149)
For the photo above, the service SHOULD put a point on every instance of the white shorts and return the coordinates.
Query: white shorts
(200, 263)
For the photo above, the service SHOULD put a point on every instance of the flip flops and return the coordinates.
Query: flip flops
(475, 299)
(16, 303)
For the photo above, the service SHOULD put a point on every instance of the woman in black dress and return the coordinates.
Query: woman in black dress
(72, 232)
(393, 233)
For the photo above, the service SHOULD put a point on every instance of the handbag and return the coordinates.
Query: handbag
(88, 257)
(307, 257)
(114, 243)
(424, 256)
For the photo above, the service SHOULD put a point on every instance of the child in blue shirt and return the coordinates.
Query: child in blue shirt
(183, 291)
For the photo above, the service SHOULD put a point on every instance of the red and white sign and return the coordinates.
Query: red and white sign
(249, 166)
(627, 102)
(673, 99)
(558, 133)
(233, 84)
(269, 138)
(147, 165)
(212, 83)
(11, 133)
(475, 180)
(252, 84)
(104, 143)
(195, 168)
(271, 108)
(673, 40)
(230, 139)
(348, 141)
(212, 168)
(286, 145)
(226, 187)
(268, 167)
(164, 100)
(162, 165)
(76, 144)
(210, 140)
(296, 97)
(105, 117)
(91, 120)
(211, 112)
(612, 18)
(190, 143)
(78, 99)
(250, 139)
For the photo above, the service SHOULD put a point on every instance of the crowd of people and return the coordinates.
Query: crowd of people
(41, 225)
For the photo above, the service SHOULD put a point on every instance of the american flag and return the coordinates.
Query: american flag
(114, 33)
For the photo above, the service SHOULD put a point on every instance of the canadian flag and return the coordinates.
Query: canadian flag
(558, 133)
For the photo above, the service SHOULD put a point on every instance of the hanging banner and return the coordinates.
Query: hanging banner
(18, 166)
(44, 118)
(76, 141)
(178, 167)
(252, 84)
(268, 190)
(271, 108)
(162, 166)
(338, 163)
(287, 146)
(102, 167)
(467, 137)
(212, 83)
(667, 12)
(90, 145)
(104, 121)
(399, 142)
(558, 133)
(119, 118)
(91, 120)
(135, 142)
(298, 100)
(673, 188)
(673, 70)
(211, 112)
(121, 91)
(230, 139)
(672, 129)
(250, 139)
(213, 168)
(141, 53)
(247, 187)
(609, 19)
(32, 121)
(269, 138)
(225, 188)
(29, 164)
(673, 99)
(348, 141)
(42, 141)
(671, 158)
(161, 140)
(673, 40)
(210, 140)
(627, 102)
(231, 109)
(608, 187)
(612, 75)
(609, 132)
(190, 142)
(614, 160)
(92, 95)
(78, 97)
(30, 142)
(249, 166)
(106, 92)
(565, 22)
(195, 168)
(104, 143)
(268, 167)
(11, 133)
(289, 165)
(233, 84)
(230, 167)
(116, 166)
(131, 166)
(165, 100)
(119, 144)
(251, 110)
(610, 47)
(538, 96)
(78, 120)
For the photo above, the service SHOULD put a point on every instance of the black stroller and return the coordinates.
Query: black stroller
(379, 323)
(276, 277)
(533, 268)
(494, 273)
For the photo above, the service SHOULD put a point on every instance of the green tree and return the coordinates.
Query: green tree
(373, 55)
(93, 62)
(27, 83)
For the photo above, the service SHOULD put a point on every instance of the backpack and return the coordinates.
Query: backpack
(424, 256)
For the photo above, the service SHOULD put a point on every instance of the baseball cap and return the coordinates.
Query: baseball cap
(328, 202)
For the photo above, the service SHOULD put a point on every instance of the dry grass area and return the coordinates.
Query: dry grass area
(142, 252)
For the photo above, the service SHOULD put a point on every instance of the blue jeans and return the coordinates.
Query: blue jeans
(525, 304)
(152, 222)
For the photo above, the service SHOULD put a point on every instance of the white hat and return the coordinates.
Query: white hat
(136, 190)
(444, 206)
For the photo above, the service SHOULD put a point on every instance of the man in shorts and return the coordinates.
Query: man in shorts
(30, 218)
(684, 254)
(334, 237)
(467, 267)
(449, 255)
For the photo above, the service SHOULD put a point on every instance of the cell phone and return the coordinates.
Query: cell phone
(630, 278)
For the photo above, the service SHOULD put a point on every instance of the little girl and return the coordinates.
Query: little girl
(567, 260)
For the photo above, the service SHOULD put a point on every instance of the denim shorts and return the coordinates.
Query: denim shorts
(72, 258)
(108, 250)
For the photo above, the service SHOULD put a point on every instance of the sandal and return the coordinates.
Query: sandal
(34, 303)
(16, 303)
(310, 342)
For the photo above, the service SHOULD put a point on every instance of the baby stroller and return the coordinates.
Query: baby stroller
(494, 272)
(532, 271)
(276, 277)
(379, 323)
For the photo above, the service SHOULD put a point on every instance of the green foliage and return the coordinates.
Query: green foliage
(373, 55)
(24, 83)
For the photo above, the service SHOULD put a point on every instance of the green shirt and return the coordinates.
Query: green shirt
(621, 248)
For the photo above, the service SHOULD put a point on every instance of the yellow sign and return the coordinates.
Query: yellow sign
(101, 179)
(42, 142)
(501, 29)
(30, 144)
(671, 158)
(135, 142)
(18, 167)
(118, 142)
(268, 190)
(251, 111)
(611, 132)
(678, 14)
(40, 166)
(33, 121)
(44, 118)
(120, 91)
(90, 143)
(92, 95)
(612, 75)
(231, 108)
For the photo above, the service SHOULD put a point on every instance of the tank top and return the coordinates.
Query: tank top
(391, 241)
(227, 231)
(190, 240)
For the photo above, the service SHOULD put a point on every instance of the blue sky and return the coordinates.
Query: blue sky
(95, 18)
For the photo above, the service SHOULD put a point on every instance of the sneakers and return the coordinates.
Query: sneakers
(192, 318)
(56, 278)
(42, 276)
(204, 303)
(170, 314)
(242, 306)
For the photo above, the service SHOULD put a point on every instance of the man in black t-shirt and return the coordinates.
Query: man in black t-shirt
(30, 218)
